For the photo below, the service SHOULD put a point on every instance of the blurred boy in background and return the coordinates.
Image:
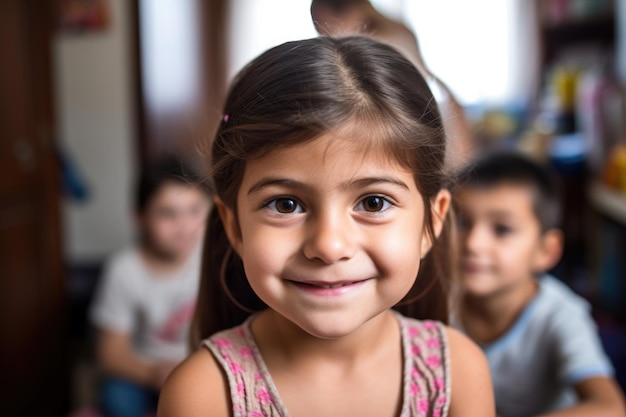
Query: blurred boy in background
(146, 296)
(540, 340)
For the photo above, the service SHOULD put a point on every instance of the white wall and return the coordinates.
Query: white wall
(94, 105)
(484, 50)
(257, 25)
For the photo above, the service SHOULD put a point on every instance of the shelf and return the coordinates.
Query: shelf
(557, 37)
(609, 202)
(598, 24)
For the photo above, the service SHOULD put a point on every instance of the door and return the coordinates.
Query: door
(172, 121)
(32, 351)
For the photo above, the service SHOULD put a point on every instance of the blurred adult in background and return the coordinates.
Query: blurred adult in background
(146, 297)
(350, 17)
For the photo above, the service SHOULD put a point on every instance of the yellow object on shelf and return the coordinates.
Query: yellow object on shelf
(565, 83)
(614, 175)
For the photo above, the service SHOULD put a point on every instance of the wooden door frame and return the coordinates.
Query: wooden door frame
(34, 283)
(213, 22)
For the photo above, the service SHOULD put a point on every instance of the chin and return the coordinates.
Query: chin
(478, 289)
(327, 333)
(331, 328)
(180, 251)
(479, 294)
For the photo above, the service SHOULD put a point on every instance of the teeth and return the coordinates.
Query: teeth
(335, 286)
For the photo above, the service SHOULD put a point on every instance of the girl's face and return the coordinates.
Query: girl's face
(331, 234)
(174, 219)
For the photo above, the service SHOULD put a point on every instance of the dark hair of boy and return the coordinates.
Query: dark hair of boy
(337, 5)
(517, 169)
(159, 172)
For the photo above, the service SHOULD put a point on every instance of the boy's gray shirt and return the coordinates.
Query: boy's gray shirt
(553, 345)
(155, 310)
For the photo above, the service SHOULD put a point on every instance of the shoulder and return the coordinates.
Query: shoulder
(125, 262)
(470, 388)
(472, 391)
(197, 387)
(119, 277)
(559, 296)
(466, 358)
(561, 309)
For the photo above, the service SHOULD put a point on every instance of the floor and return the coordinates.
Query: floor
(84, 372)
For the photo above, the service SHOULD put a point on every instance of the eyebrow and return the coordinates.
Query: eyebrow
(349, 185)
(500, 214)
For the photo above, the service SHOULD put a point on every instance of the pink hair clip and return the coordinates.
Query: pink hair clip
(225, 118)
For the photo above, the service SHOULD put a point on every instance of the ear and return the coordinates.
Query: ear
(231, 226)
(549, 250)
(439, 209)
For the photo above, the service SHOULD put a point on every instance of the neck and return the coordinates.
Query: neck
(159, 262)
(280, 338)
(488, 318)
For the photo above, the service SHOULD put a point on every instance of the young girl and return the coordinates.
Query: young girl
(328, 171)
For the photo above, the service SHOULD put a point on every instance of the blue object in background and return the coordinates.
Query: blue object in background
(568, 153)
(72, 181)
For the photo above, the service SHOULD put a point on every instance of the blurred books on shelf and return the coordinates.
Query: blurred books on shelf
(608, 202)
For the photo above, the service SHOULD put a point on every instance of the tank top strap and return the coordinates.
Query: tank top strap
(251, 390)
(427, 382)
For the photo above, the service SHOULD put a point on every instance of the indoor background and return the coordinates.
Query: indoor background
(92, 90)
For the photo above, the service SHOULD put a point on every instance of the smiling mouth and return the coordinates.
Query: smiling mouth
(321, 288)
(335, 285)
(472, 268)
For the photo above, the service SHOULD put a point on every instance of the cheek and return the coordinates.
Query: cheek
(189, 225)
(264, 259)
(398, 250)
(265, 251)
(515, 257)
(163, 229)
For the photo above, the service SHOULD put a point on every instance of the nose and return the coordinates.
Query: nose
(473, 238)
(188, 224)
(330, 238)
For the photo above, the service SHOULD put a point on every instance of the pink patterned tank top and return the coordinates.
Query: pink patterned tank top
(253, 393)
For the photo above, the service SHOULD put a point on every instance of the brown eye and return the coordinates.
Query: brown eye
(373, 204)
(285, 205)
(502, 230)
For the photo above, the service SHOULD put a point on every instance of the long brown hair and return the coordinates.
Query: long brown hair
(291, 94)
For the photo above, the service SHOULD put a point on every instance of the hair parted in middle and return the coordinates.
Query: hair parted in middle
(292, 94)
